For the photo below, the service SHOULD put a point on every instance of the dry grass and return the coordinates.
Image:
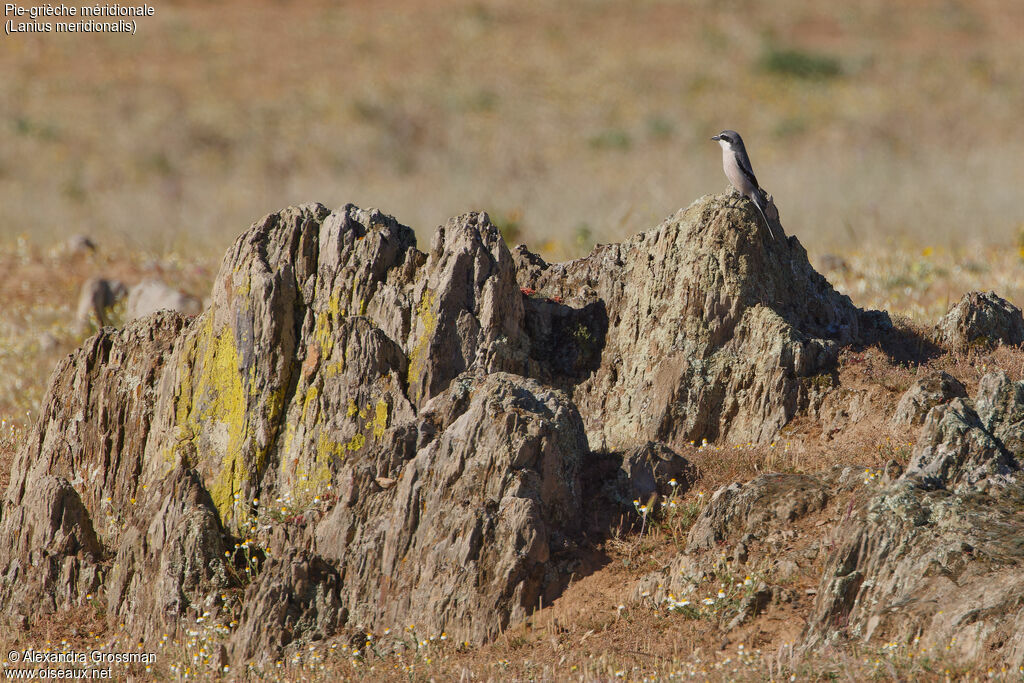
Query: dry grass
(40, 292)
(871, 123)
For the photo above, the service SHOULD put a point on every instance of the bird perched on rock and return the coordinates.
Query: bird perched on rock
(739, 172)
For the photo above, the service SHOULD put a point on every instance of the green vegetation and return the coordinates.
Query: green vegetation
(800, 64)
(610, 138)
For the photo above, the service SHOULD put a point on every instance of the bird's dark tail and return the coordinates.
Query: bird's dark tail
(757, 203)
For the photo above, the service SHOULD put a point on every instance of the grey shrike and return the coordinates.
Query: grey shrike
(739, 172)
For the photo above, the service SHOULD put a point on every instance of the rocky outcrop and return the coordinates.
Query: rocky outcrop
(933, 389)
(358, 434)
(352, 383)
(650, 470)
(980, 319)
(697, 329)
(753, 507)
(938, 553)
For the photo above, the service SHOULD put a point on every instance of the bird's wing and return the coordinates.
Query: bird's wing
(744, 163)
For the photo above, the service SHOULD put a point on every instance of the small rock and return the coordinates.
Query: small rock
(980, 319)
(647, 471)
(151, 296)
(79, 245)
(786, 570)
(98, 295)
(925, 393)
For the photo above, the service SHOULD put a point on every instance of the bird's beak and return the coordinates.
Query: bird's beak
(716, 138)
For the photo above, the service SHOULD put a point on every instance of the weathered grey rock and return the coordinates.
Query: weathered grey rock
(756, 506)
(81, 468)
(954, 449)
(96, 298)
(469, 312)
(1000, 407)
(170, 558)
(648, 469)
(295, 595)
(966, 443)
(944, 567)
(150, 296)
(980, 319)
(51, 558)
(96, 420)
(925, 393)
(323, 374)
(697, 329)
(464, 539)
(939, 553)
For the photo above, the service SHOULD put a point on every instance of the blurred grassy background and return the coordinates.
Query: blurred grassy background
(872, 123)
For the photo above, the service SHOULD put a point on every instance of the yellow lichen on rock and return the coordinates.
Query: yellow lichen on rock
(326, 322)
(417, 359)
(356, 442)
(310, 403)
(216, 394)
(380, 419)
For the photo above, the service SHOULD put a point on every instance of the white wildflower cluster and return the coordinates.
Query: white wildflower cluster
(674, 605)
(872, 476)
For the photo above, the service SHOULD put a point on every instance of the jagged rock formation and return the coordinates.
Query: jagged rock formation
(980, 319)
(359, 434)
(328, 374)
(924, 394)
(769, 501)
(939, 553)
(705, 330)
